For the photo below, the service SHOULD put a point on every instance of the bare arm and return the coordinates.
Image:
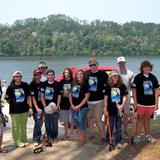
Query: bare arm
(70, 100)
(124, 100)
(157, 94)
(35, 104)
(134, 95)
(105, 102)
(43, 100)
(83, 101)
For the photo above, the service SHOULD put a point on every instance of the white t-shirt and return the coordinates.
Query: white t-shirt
(127, 78)
(43, 78)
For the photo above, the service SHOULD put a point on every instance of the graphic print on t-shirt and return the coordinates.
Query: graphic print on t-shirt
(19, 94)
(148, 87)
(49, 93)
(66, 89)
(115, 94)
(93, 81)
(75, 91)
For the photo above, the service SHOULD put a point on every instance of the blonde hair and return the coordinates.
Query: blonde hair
(92, 60)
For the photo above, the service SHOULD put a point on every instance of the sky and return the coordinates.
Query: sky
(120, 11)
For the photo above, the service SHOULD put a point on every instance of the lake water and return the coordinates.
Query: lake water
(26, 64)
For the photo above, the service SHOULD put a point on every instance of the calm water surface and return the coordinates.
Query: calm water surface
(26, 64)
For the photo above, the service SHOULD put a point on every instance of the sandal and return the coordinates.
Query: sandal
(80, 144)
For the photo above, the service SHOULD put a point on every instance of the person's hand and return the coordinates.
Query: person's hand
(106, 113)
(76, 108)
(135, 106)
(56, 109)
(30, 112)
(39, 110)
(156, 107)
(72, 106)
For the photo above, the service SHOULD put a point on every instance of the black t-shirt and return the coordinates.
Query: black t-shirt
(115, 94)
(17, 96)
(97, 82)
(78, 93)
(35, 92)
(51, 91)
(145, 88)
(65, 88)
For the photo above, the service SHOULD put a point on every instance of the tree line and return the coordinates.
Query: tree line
(63, 35)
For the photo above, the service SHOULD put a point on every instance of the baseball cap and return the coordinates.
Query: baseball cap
(42, 64)
(115, 73)
(36, 71)
(15, 73)
(121, 59)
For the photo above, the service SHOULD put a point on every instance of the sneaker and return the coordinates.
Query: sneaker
(137, 139)
(149, 138)
(107, 147)
(80, 144)
(36, 144)
(55, 140)
(119, 146)
(26, 144)
(21, 145)
(49, 143)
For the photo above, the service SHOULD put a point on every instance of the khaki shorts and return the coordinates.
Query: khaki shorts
(127, 105)
(96, 110)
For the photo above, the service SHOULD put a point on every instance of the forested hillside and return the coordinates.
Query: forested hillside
(62, 35)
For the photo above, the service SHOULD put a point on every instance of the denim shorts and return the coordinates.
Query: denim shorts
(80, 117)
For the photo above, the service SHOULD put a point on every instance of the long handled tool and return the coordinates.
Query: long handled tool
(134, 126)
(111, 146)
(42, 145)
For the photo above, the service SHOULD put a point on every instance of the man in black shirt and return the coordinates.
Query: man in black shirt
(97, 80)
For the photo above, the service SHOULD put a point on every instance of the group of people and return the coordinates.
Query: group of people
(82, 100)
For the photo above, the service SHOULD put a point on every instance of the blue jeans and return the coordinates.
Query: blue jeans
(79, 118)
(115, 121)
(37, 133)
(51, 124)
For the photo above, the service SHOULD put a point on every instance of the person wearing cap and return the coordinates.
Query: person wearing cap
(127, 77)
(50, 93)
(144, 88)
(38, 108)
(19, 98)
(114, 102)
(97, 80)
(43, 68)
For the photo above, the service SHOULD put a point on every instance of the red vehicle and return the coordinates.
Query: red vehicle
(107, 69)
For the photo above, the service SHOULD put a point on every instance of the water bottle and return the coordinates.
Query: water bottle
(154, 115)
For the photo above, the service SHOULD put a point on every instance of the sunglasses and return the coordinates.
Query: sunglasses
(18, 76)
(93, 65)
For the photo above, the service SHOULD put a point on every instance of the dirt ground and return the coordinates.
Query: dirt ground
(67, 150)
